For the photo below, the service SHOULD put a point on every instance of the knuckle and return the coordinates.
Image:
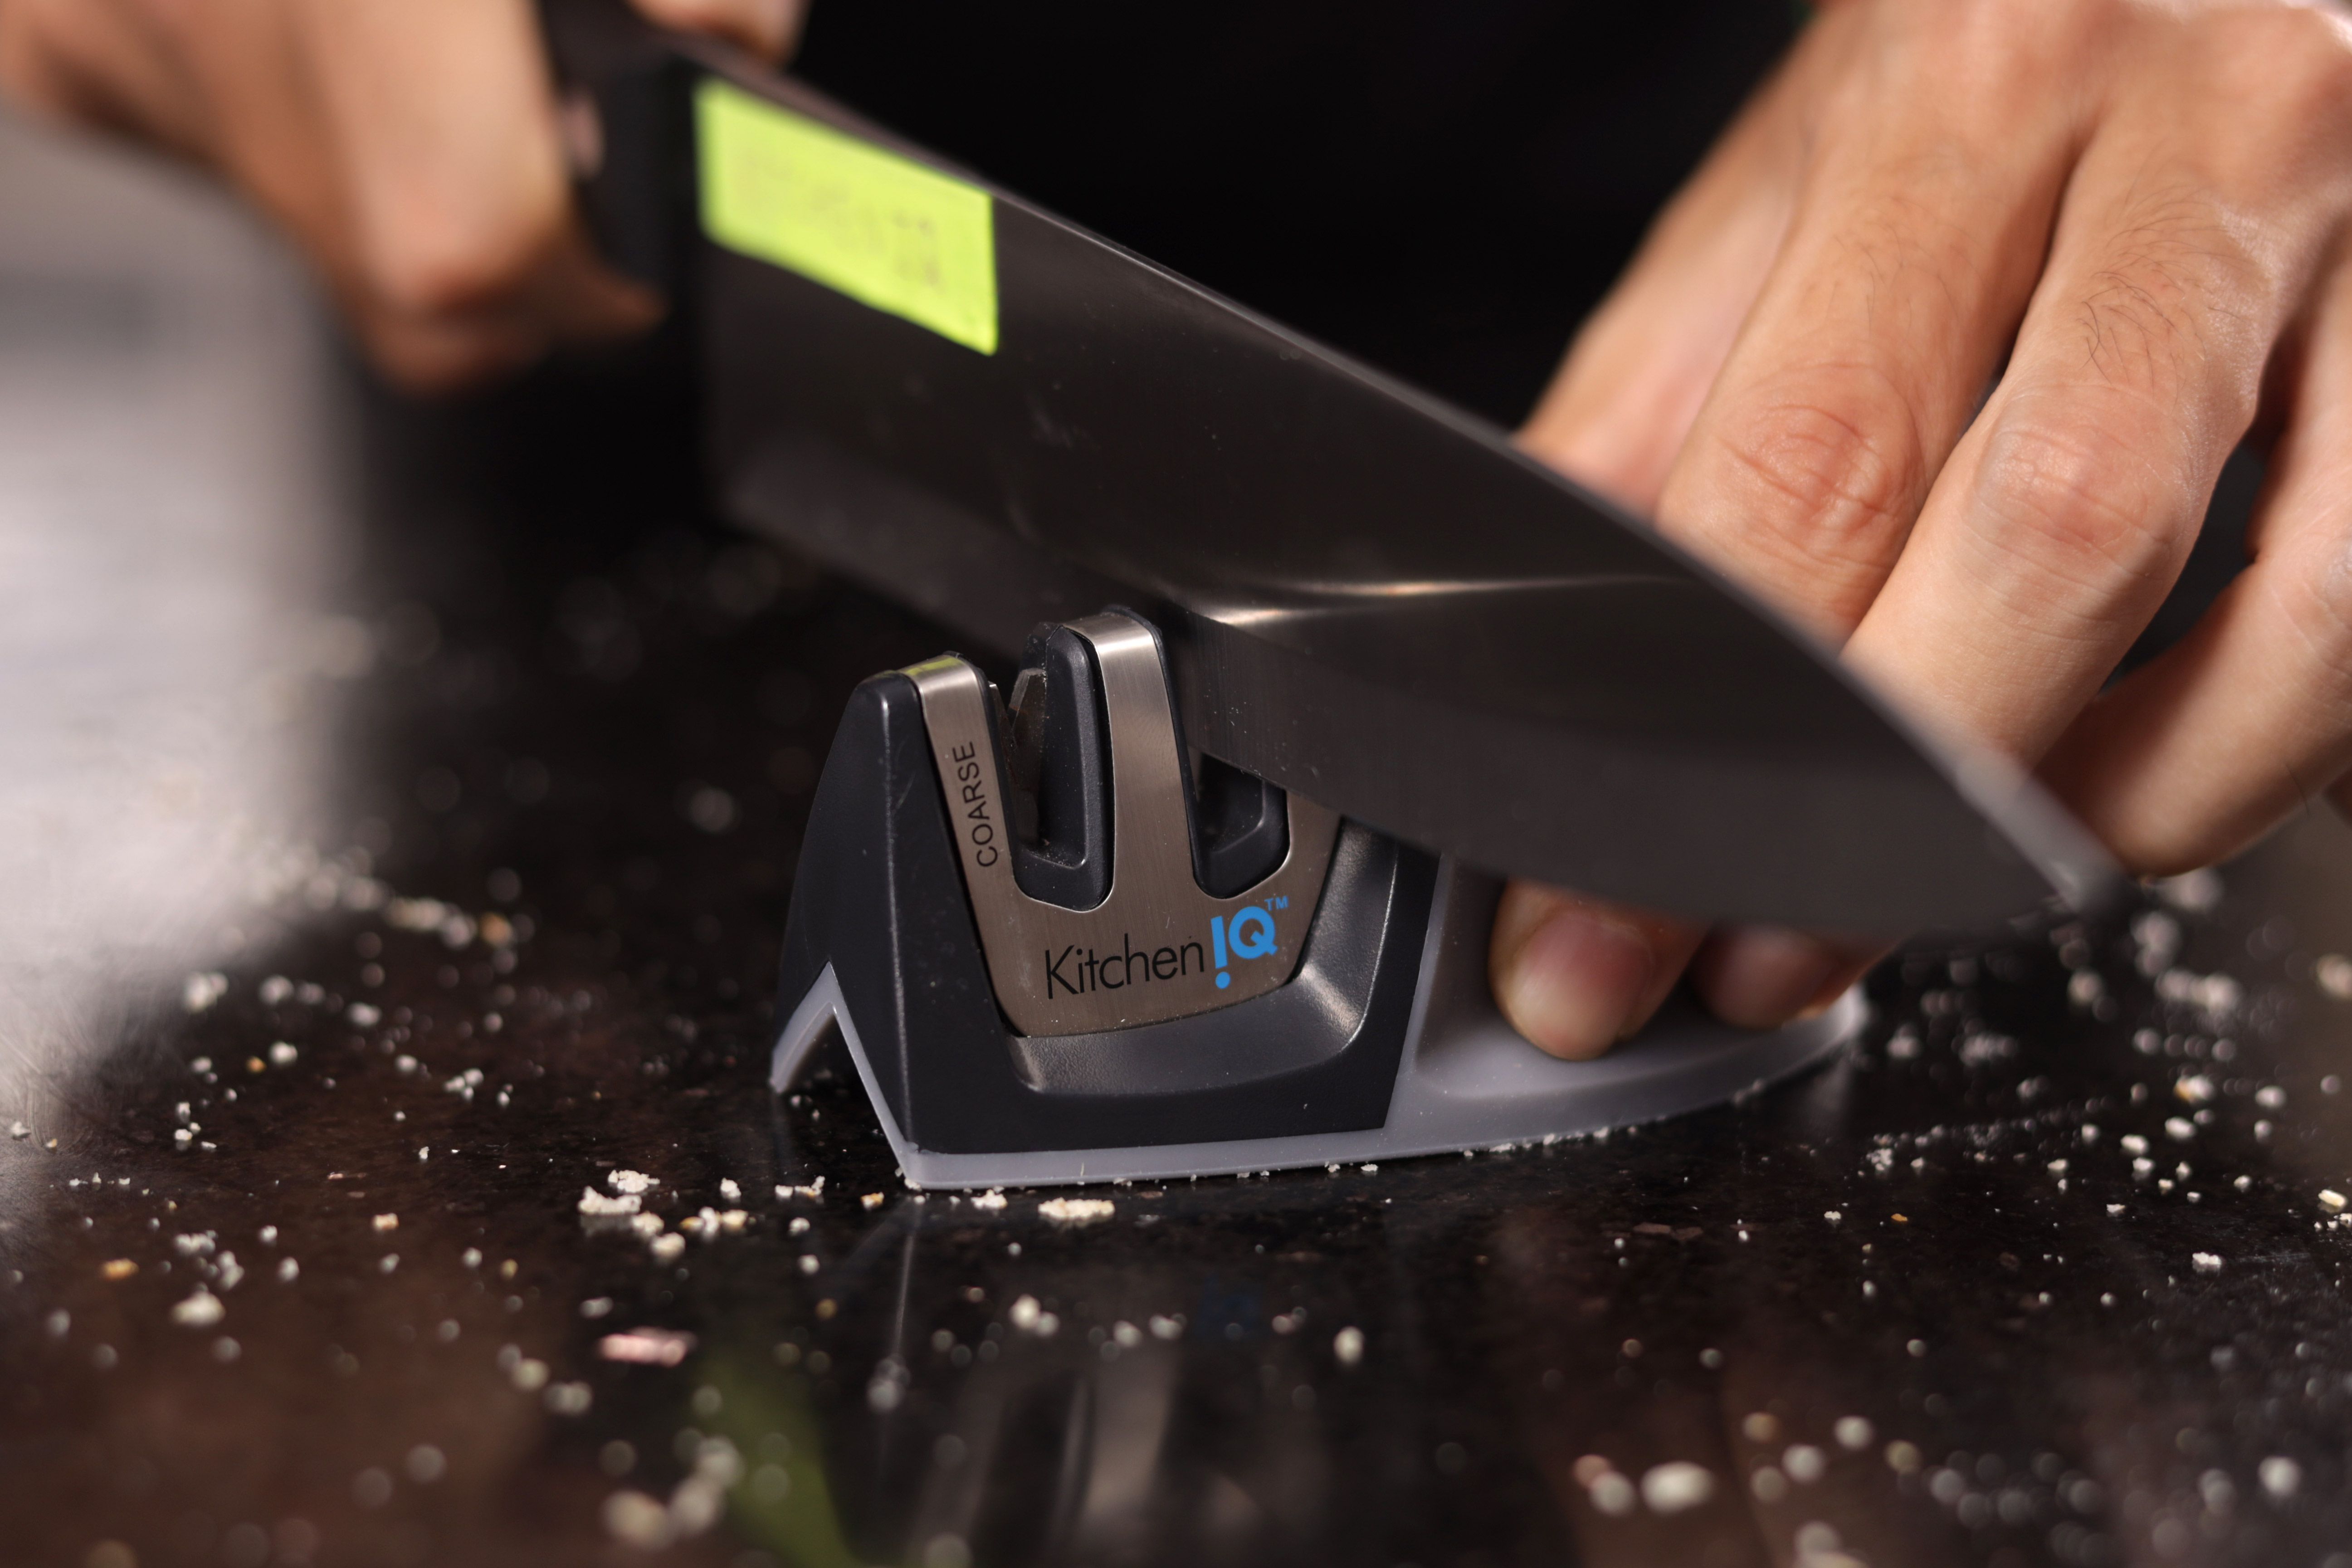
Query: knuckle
(430, 263)
(2078, 504)
(2314, 598)
(1829, 461)
(2300, 56)
(1991, 38)
(2313, 60)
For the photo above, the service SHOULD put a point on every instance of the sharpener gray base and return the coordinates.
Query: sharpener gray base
(1468, 1079)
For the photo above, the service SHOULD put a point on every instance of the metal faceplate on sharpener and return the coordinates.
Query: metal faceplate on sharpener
(1007, 1037)
(1157, 946)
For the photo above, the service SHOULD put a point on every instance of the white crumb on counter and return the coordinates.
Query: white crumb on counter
(1677, 1484)
(201, 1310)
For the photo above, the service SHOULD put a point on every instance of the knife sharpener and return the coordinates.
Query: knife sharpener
(1059, 946)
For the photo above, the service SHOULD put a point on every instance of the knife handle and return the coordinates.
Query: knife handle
(629, 135)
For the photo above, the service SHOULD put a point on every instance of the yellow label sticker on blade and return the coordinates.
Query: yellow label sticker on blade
(778, 188)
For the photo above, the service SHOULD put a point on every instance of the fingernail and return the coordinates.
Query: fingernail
(1760, 977)
(1573, 984)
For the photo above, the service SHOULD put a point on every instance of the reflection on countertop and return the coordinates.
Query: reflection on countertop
(452, 1223)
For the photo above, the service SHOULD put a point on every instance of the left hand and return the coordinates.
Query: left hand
(411, 147)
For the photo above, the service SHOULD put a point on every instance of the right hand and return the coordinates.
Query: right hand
(2134, 224)
(411, 147)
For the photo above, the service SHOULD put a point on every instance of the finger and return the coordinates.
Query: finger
(2246, 718)
(767, 28)
(96, 62)
(1911, 251)
(1623, 401)
(1574, 975)
(1760, 977)
(443, 128)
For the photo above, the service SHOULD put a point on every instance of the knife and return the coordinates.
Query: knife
(960, 399)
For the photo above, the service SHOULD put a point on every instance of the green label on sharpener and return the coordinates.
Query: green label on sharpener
(883, 230)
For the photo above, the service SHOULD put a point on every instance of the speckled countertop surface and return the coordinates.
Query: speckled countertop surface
(327, 1252)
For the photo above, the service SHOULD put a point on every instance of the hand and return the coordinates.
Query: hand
(411, 147)
(2128, 220)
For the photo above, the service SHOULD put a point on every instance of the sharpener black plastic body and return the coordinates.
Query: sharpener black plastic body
(880, 902)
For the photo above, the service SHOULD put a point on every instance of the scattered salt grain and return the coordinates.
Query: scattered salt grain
(2195, 892)
(991, 1199)
(646, 1347)
(596, 1206)
(289, 1271)
(728, 1190)
(666, 1246)
(2205, 1262)
(2134, 1143)
(529, 1375)
(634, 1519)
(1804, 1463)
(1983, 1047)
(201, 1310)
(2334, 974)
(870, 1201)
(387, 1222)
(1675, 1486)
(2331, 1200)
(2281, 1477)
(1348, 1344)
(2179, 1129)
(2195, 1089)
(1077, 1210)
(120, 1269)
(1853, 1432)
(203, 990)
